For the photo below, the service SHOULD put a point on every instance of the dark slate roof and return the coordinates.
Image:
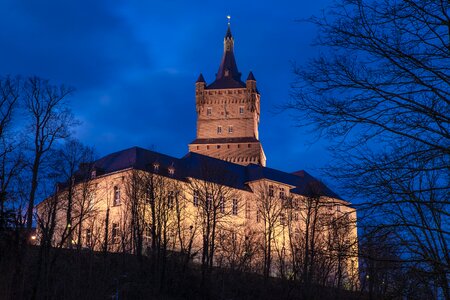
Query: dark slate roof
(199, 166)
(200, 78)
(251, 76)
(215, 170)
(225, 140)
(228, 75)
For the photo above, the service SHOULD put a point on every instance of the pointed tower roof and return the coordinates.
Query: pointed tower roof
(228, 75)
(200, 78)
(251, 76)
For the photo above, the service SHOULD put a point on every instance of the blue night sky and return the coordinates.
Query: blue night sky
(134, 65)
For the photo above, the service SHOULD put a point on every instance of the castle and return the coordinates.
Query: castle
(219, 204)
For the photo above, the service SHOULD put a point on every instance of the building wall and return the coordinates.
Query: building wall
(223, 108)
(235, 232)
(229, 114)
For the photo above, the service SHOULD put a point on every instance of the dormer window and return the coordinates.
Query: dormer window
(94, 173)
(116, 200)
(227, 73)
(156, 167)
(171, 170)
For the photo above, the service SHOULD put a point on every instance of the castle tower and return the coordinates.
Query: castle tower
(228, 113)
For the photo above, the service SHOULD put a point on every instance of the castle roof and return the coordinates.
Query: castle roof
(228, 75)
(251, 76)
(194, 165)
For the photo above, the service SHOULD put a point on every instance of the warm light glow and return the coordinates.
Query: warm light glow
(33, 237)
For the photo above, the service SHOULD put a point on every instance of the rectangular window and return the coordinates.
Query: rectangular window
(88, 237)
(282, 219)
(271, 190)
(115, 233)
(282, 194)
(234, 210)
(209, 202)
(296, 216)
(195, 200)
(209, 111)
(233, 237)
(219, 129)
(170, 199)
(241, 110)
(295, 203)
(230, 129)
(116, 196)
(222, 204)
(258, 216)
(147, 230)
(247, 209)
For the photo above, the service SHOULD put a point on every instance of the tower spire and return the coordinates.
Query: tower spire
(228, 75)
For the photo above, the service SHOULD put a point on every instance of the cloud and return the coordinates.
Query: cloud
(81, 43)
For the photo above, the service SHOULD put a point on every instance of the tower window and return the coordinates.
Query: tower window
(219, 129)
(241, 110)
(230, 129)
(209, 111)
(249, 145)
(218, 146)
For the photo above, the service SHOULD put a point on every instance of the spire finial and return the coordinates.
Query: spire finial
(229, 20)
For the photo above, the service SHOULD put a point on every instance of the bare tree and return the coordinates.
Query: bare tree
(269, 210)
(215, 201)
(50, 121)
(381, 86)
(11, 159)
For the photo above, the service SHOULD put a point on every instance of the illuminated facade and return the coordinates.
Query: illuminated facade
(220, 196)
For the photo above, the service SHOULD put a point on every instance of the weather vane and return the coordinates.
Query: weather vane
(229, 19)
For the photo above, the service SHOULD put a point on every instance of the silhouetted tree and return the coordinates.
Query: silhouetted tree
(50, 120)
(381, 87)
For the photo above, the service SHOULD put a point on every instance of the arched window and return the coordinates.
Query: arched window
(116, 196)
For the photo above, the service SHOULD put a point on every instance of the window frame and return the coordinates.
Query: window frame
(116, 196)
(234, 207)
